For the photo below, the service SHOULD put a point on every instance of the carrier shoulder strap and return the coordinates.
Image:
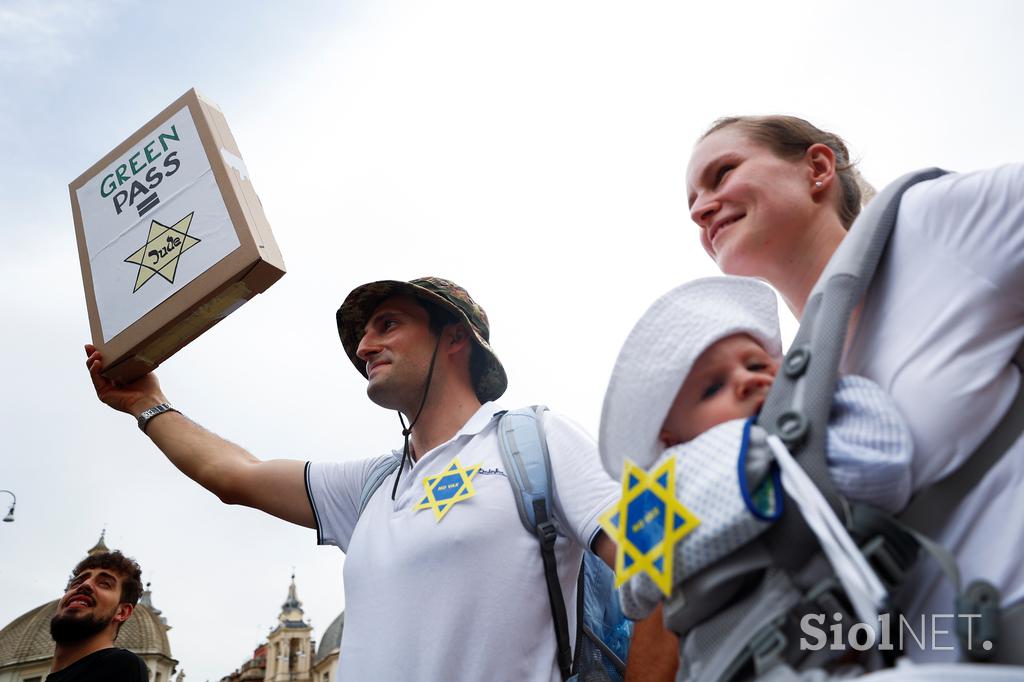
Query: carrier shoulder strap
(932, 507)
(524, 452)
(380, 471)
(799, 403)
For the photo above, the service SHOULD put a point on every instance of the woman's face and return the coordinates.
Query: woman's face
(750, 205)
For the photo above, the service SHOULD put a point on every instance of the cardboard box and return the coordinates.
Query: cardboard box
(171, 236)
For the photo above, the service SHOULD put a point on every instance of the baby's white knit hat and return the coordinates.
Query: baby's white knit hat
(659, 354)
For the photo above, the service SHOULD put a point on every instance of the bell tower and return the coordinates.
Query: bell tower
(289, 645)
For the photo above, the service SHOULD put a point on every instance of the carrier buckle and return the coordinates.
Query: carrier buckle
(885, 562)
(829, 597)
(978, 639)
(767, 646)
(547, 533)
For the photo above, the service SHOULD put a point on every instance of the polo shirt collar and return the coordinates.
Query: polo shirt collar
(488, 412)
(480, 419)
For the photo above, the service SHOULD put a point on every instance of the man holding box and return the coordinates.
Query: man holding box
(439, 585)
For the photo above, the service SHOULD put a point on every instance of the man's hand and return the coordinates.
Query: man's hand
(132, 398)
(653, 652)
(604, 547)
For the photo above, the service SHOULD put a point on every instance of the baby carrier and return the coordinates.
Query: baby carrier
(741, 618)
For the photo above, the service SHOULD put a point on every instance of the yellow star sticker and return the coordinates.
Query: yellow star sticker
(646, 523)
(453, 485)
(163, 247)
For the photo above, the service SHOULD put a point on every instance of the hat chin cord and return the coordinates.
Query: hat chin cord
(407, 430)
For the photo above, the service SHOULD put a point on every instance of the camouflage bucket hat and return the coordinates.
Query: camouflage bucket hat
(361, 302)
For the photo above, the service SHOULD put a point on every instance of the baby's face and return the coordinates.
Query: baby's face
(728, 381)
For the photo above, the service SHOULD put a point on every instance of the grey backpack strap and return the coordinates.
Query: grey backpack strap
(380, 471)
(522, 439)
(524, 452)
(932, 507)
(799, 403)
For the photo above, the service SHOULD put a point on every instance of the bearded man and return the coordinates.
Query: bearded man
(100, 597)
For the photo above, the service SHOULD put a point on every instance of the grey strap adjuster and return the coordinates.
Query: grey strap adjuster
(977, 624)
(767, 646)
(764, 651)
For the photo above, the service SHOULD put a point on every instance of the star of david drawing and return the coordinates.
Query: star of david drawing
(646, 523)
(448, 488)
(163, 247)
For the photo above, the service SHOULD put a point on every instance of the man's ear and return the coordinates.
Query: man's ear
(124, 612)
(458, 337)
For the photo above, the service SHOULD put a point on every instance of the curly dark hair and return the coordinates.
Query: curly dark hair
(131, 586)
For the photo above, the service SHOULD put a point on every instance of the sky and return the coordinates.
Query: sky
(534, 152)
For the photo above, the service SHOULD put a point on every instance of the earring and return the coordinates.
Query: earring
(818, 183)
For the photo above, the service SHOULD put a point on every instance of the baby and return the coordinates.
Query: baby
(689, 380)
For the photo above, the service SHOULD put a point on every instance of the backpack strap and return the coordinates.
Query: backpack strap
(378, 473)
(931, 508)
(524, 452)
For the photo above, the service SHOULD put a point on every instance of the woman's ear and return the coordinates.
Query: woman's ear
(821, 166)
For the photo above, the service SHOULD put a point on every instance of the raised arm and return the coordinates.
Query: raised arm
(228, 471)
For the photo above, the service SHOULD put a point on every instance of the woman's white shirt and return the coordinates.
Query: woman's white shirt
(940, 324)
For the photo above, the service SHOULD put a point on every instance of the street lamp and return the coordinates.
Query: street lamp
(10, 512)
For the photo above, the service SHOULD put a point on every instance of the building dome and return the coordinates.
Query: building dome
(331, 641)
(27, 637)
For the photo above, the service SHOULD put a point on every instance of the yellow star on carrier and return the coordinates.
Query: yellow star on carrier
(646, 523)
(446, 489)
(163, 247)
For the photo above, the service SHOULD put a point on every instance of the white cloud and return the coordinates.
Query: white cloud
(41, 37)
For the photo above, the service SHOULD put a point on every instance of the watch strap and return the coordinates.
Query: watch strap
(154, 411)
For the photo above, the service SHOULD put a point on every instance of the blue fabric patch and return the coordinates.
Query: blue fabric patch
(766, 502)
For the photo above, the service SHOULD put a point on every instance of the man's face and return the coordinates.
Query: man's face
(728, 381)
(92, 601)
(397, 346)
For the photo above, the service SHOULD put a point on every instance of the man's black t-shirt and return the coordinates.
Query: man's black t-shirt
(105, 665)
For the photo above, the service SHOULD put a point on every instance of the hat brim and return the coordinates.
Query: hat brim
(359, 305)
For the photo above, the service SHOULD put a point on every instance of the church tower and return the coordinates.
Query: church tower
(289, 645)
(100, 547)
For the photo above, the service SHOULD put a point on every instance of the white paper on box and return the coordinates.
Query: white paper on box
(154, 220)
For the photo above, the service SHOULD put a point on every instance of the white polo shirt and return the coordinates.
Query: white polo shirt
(463, 597)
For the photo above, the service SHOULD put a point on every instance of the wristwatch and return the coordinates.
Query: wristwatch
(152, 412)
